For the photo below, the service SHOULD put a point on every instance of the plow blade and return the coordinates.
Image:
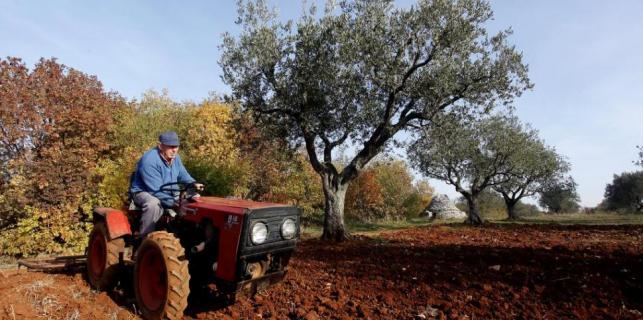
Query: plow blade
(57, 264)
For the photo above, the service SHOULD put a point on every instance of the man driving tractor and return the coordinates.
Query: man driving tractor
(157, 168)
(235, 244)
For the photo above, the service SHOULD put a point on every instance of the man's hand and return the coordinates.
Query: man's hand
(192, 194)
(194, 197)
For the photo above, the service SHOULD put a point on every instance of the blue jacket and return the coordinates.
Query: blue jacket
(153, 172)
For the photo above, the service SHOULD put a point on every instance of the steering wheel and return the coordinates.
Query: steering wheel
(173, 188)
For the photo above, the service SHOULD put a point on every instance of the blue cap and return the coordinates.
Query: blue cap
(169, 138)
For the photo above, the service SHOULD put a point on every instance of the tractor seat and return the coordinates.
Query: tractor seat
(133, 207)
(134, 210)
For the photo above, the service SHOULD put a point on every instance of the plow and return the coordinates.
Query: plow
(55, 265)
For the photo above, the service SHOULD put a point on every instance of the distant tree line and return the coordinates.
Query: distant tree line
(497, 153)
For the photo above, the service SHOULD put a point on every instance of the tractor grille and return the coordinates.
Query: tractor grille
(273, 218)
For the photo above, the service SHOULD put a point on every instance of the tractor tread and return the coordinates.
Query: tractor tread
(113, 248)
(178, 275)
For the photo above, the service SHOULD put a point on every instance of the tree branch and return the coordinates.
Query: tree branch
(309, 139)
(269, 74)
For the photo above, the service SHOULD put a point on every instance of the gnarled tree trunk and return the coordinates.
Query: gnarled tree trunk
(474, 216)
(511, 209)
(334, 193)
(511, 200)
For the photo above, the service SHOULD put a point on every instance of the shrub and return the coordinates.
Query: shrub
(385, 191)
(625, 193)
(57, 121)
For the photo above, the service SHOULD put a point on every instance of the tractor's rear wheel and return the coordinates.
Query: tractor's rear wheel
(102, 258)
(161, 277)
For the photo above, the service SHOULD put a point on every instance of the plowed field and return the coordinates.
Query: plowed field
(444, 272)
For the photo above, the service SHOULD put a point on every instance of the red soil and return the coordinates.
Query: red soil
(493, 272)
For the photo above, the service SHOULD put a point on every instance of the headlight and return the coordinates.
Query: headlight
(259, 233)
(288, 229)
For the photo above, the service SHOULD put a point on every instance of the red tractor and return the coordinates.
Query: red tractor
(234, 244)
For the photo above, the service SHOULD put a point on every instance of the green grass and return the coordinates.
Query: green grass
(8, 262)
(602, 218)
(356, 227)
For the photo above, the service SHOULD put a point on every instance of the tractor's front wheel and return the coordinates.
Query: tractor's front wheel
(161, 277)
(103, 258)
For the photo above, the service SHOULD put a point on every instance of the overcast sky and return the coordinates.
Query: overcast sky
(584, 58)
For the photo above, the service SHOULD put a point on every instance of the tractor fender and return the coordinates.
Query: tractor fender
(116, 221)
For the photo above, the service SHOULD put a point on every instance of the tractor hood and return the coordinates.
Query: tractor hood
(232, 203)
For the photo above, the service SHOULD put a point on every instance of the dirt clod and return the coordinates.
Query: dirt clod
(312, 315)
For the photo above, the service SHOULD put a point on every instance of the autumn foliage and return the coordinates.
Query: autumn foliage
(68, 145)
(56, 123)
(386, 191)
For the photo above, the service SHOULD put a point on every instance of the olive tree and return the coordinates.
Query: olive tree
(470, 153)
(559, 195)
(531, 167)
(363, 71)
(625, 192)
(640, 161)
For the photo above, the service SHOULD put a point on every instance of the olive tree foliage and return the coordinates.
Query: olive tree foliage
(362, 71)
(470, 153)
(532, 166)
(640, 161)
(559, 195)
(625, 192)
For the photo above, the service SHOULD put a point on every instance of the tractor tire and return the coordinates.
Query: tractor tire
(161, 277)
(103, 267)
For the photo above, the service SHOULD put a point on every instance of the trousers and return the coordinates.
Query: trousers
(152, 211)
